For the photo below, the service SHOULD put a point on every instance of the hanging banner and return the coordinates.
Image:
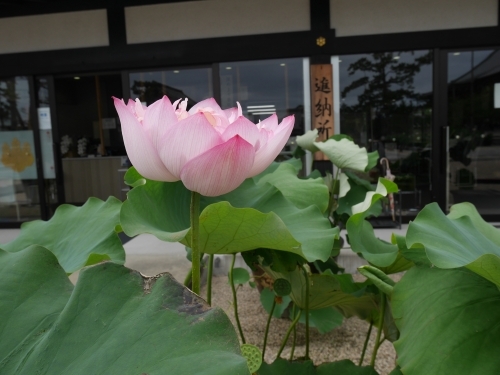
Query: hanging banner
(322, 103)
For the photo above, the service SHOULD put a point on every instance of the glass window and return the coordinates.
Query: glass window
(386, 105)
(266, 87)
(474, 129)
(194, 84)
(18, 174)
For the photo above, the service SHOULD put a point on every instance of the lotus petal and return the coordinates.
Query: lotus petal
(158, 118)
(221, 169)
(190, 138)
(244, 128)
(140, 148)
(266, 154)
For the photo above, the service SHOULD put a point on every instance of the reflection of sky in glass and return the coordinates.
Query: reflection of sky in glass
(422, 82)
(196, 84)
(460, 63)
(277, 83)
(22, 99)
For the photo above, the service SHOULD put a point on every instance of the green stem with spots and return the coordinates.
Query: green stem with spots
(195, 241)
(235, 300)
(267, 328)
(294, 322)
(307, 312)
(379, 332)
(209, 278)
(294, 340)
(366, 343)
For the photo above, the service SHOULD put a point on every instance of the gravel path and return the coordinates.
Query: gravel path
(344, 342)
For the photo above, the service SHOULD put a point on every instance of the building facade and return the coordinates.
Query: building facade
(418, 81)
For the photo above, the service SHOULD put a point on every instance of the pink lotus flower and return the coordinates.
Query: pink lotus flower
(211, 150)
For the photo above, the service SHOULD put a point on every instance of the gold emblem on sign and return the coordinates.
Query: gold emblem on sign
(17, 157)
(321, 41)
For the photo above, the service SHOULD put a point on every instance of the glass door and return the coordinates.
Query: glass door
(474, 129)
(19, 188)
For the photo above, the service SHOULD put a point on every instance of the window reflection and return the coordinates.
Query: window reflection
(194, 84)
(386, 105)
(18, 174)
(474, 143)
(265, 87)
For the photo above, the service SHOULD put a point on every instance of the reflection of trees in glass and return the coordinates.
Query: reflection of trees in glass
(9, 113)
(151, 91)
(390, 108)
(388, 84)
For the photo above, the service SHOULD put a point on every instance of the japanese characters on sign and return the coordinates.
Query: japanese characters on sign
(322, 103)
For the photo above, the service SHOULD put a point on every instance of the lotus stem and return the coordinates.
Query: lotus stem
(195, 241)
(209, 278)
(267, 328)
(292, 326)
(294, 340)
(366, 343)
(307, 312)
(235, 300)
(379, 332)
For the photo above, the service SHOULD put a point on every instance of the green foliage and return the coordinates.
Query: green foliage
(78, 236)
(329, 290)
(461, 239)
(448, 321)
(162, 209)
(240, 276)
(112, 322)
(361, 235)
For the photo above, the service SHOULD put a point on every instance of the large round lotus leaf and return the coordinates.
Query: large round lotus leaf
(78, 236)
(112, 322)
(345, 367)
(448, 322)
(162, 209)
(461, 239)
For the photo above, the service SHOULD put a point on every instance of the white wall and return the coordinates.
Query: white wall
(54, 31)
(214, 18)
(364, 17)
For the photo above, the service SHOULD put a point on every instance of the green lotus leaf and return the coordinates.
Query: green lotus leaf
(307, 140)
(416, 254)
(329, 290)
(324, 320)
(267, 297)
(361, 234)
(459, 240)
(225, 229)
(448, 320)
(372, 160)
(384, 187)
(302, 192)
(344, 367)
(294, 162)
(344, 185)
(162, 209)
(344, 153)
(78, 236)
(240, 276)
(112, 322)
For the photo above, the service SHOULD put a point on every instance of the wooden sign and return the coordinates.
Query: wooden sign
(322, 103)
